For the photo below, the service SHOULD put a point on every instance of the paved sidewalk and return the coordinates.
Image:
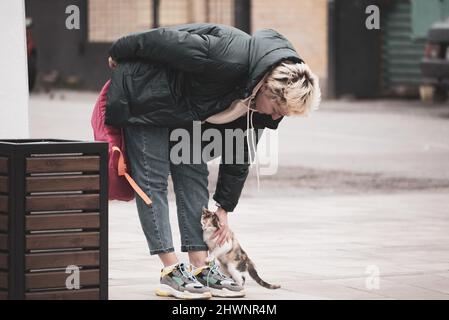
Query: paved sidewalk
(316, 247)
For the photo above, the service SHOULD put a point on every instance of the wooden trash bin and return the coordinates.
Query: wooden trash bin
(53, 219)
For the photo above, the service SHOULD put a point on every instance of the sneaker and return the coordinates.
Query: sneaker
(180, 283)
(219, 284)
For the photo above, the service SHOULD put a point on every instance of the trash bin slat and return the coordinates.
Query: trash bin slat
(3, 280)
(62, 240)
(4, 204)
(4, 184)
(40, 280)
(3, 222)
(3, 241)
(62, 259)
(62, 164)
(3, 165)
(62, 221)
(82, 294)
(62, 202)
(62, 183)
(3, 261)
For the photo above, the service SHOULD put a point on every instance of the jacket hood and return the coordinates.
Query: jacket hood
(267, 49)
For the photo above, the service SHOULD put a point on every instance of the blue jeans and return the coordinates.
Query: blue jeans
(148, 150)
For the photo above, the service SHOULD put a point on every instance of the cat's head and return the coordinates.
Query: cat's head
(209, 220)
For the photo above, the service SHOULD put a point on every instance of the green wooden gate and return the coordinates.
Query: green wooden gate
(404, 29)
(401, 50)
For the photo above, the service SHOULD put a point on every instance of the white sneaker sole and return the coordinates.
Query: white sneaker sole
(225, 293)
(166, 291)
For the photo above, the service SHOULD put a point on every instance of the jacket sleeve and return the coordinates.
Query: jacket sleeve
(180, 49)
(232, 177)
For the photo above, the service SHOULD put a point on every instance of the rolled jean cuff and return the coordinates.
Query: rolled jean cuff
(194, 248)
(158, 251)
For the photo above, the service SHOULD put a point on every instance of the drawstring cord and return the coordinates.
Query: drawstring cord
(249, 120)
(256, 155)
(248, 131)
(251, 140)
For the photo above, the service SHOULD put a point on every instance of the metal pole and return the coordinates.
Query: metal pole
(332, 49)
(242, 15)
(156, 13)
(207, 3)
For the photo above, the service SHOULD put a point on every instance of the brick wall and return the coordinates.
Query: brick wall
(303, 22)
(110, 19)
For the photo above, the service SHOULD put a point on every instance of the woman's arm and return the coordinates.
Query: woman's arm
(223, 234)
(232, 177)
(180, 49)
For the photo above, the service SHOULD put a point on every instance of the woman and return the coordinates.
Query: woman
(167, 78)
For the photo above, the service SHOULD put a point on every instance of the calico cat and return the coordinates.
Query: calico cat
(233, 260)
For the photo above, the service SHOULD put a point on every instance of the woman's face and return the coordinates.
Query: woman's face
(266, 103)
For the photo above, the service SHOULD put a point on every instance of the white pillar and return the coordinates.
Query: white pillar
(13, 71)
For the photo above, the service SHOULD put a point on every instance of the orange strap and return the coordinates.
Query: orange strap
(122, 172)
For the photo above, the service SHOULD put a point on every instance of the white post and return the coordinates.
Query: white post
(13, 71)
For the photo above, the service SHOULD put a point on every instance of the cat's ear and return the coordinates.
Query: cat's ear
(216, 221)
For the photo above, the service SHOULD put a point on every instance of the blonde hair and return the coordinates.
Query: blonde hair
(294, 87)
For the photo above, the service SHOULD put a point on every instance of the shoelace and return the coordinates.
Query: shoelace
(214, 270)
(186, 273)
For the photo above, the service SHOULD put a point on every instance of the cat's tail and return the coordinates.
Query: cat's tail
(253, 273)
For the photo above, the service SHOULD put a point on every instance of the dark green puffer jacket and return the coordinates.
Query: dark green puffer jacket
(173, 76)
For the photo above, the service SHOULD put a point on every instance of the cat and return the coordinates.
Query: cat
(233, 260)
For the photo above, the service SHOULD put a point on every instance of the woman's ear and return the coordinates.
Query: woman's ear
(261, 90)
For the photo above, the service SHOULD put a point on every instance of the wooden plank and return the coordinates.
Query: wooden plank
(62, 183)
(3, 241)
(62, 259)
(41, 280)
(3, 295)
(3, 165)
(3, 222)
(63, 164)
(3, 261)
(4, 184)
(63, 202)
(4, 204)
(4, 280)
(62, 240)
(82, 294)
(62, 221)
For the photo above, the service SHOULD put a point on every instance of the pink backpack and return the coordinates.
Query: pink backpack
(121, 185)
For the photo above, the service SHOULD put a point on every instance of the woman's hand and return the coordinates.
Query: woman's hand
(224, 233)
(112, 63)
